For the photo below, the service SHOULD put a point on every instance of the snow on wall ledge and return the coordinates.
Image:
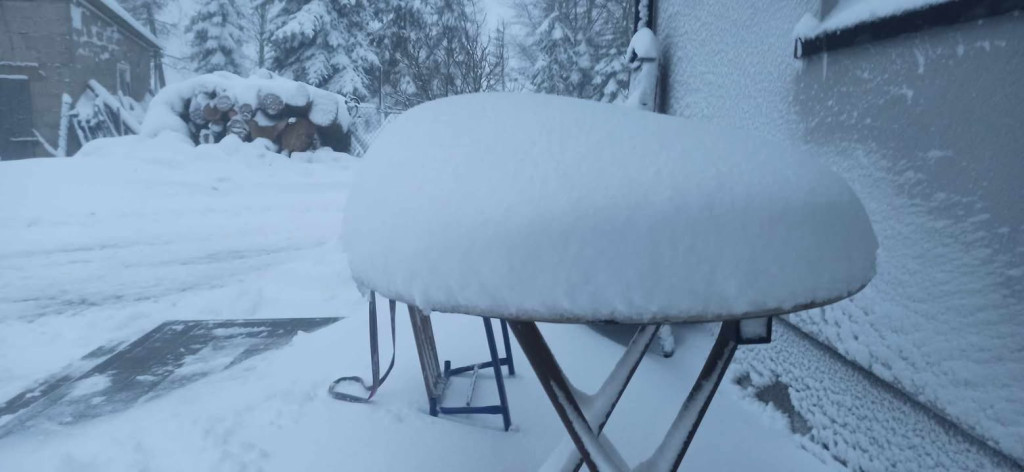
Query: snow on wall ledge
(848, 13)
(530, 205)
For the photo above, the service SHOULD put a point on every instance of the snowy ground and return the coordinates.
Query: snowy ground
(104, 246)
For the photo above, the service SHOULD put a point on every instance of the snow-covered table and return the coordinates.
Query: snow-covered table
(534, 208)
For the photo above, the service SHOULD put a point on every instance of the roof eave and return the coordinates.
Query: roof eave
(130, 25)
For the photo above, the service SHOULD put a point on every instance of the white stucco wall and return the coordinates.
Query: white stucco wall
(927, 128)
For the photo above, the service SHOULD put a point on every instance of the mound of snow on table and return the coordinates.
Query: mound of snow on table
(526, 205)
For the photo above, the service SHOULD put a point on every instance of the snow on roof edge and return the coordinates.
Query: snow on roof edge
(850, 13)
(117, 10)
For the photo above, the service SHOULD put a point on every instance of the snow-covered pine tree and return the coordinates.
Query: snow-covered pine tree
(146, 11)
(575, 47)
(325, 43)
(216, 38)
(611, 39)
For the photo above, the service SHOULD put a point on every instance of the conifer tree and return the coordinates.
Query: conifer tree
(215, 37)
(575, 47)
(325, 43)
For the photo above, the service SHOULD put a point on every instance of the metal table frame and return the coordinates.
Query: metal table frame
(584, 416)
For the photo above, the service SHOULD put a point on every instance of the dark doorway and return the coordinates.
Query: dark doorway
(16, 138)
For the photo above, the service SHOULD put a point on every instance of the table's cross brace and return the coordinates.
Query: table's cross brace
(584, 415)
(561, 393)
(598, 407)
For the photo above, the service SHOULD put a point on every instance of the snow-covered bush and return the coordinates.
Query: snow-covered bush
(293, 116)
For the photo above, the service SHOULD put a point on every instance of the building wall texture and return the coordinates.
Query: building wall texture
(101, 46)
(927, 129)
(71, 43)
(37, 32)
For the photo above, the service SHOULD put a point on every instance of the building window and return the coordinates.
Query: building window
(845, 23)
(124, 79)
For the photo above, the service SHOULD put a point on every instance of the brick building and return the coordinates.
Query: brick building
(49, 48)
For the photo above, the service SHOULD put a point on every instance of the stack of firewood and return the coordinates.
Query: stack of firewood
(308, 120)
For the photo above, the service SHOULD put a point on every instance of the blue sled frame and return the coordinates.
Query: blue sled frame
(436, 380)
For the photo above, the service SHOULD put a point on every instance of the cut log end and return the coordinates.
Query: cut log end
(224, 102)
(298, 135)
(211, 113)
(307, 120)
(271, 103)
(239, 127)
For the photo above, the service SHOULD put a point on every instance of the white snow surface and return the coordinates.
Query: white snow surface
(134, 231)
(541, 207)
(849, 13)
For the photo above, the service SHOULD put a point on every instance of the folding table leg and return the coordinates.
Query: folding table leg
(561, 394)
(599, 406)
(669, 454)
(584, 424)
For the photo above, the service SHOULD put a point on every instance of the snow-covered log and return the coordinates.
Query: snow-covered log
(323, 108)
(239, 127)
(211, 112)
(262, 127)
(195, 109)
(244, 111)
(292, 115)
(271, 103)
(224, 102)
(297, 135)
